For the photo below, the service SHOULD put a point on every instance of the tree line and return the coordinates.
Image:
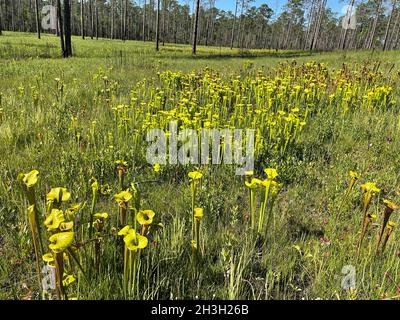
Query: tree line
(299, 24)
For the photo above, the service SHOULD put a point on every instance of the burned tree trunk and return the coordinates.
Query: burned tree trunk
(61, 28)
(158, 26)
(37, 18)
(196, 27)
(67, 26)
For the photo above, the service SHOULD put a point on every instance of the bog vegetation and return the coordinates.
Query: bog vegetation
(79, 199)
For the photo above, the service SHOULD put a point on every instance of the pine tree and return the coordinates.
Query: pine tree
(196, 27)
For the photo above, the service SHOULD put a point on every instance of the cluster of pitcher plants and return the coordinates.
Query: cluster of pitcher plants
(70, 244)
(276, 104)
(63, 237)
(369, 190)
(68, 238)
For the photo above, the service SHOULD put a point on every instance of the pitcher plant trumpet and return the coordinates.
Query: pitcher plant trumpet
(389, 208)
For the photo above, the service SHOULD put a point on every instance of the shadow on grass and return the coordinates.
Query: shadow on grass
(235, 55)
(299, 230)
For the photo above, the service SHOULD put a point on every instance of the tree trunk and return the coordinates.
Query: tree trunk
(367, 36)
(396, 43)
(175, 28)
(310, 25)
(125, 19)
(19, 18)
(353, 39)
(12, 15)
(395, 35)
(144, 21)
(1, 26)
(321, 12)
(158, 26)
(373, 31)
(241, 25)
(345, 31)
(112, 19)
(212, 22)
(82, 21)
(286, 39)
(164, 7)
(150, 21)
(61, 28)
(207, 28)
(37, 18)
(234, 25)
(96, 10)
(67, 19)
(195, 28)
(385, 44)
(91, 19)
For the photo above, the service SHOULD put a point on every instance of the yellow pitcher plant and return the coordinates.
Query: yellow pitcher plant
(253, 184)
(29, 181)
(265, 196)
(134, 243)
(195, 178)
(369, 189)
(122, 199)
(390, 207)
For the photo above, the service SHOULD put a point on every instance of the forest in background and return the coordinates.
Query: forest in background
(300, 24)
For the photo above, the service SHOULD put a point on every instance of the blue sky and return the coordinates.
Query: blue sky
(276, 5)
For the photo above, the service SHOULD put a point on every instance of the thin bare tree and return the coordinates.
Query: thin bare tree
(374, 24)
(144, 21)
(37, 18)
(196, 27)
(61, 29)
(67, 25)
(321, 12)
(91, 17)
(125, 20)
(395, 35)
(234, 24)
(158, 26)
(1, 12)
(82, 20)
(96, 12)
(386, 41)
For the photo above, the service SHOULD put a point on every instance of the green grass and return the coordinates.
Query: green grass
(307, 247)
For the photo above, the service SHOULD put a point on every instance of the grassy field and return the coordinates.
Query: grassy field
(317, 116)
